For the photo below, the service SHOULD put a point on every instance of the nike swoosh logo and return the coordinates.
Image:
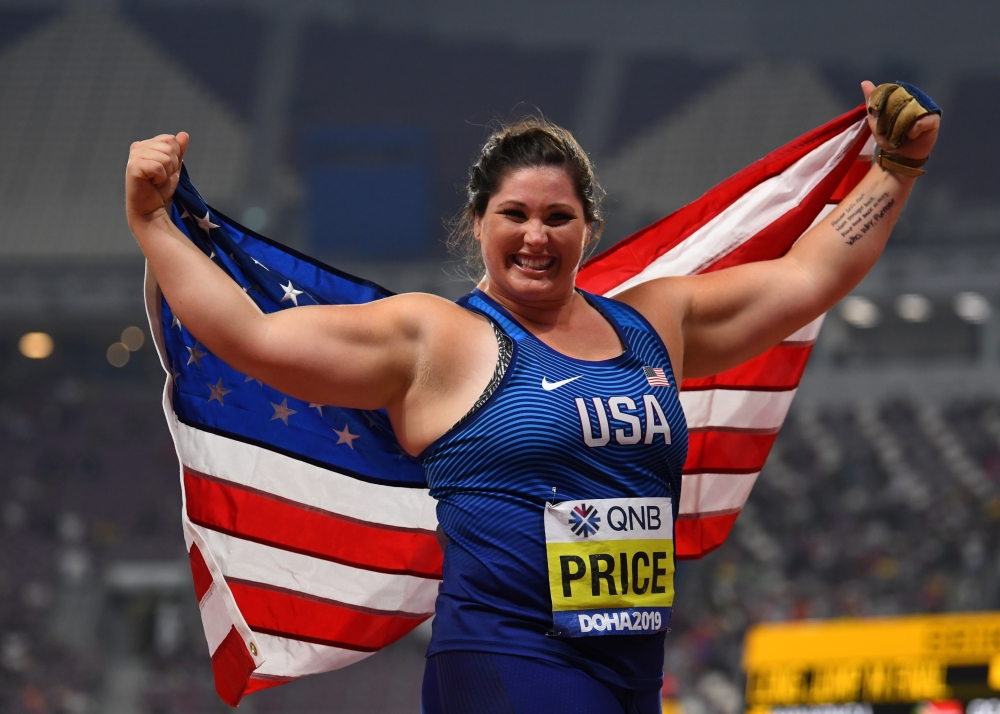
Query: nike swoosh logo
(549, 386)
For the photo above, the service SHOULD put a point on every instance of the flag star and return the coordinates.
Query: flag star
(218, 392)
(369, 419)
(205, 223)
(251, 379)
(260, 264)
(291, 293)
(176, 323)
(185, 214)
(281, 411)
(195, 354)
(345, 436)
(317, 407)
(211, 255)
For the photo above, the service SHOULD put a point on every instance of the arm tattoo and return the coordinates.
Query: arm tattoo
(861, 215)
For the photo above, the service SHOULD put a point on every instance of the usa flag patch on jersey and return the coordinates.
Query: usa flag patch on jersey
(656, 377)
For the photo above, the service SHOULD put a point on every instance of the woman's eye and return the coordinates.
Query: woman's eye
(512, 213)
(559, 218)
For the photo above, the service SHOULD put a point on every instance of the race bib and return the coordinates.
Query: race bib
(611, 566)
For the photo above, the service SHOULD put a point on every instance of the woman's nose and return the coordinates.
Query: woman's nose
(535, 233)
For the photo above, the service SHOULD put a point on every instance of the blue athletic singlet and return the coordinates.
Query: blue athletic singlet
(591, 430)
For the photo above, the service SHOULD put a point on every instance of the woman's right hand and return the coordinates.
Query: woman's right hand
(154, 168)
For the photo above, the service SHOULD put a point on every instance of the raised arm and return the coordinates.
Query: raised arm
(389, 353)
(716, 321)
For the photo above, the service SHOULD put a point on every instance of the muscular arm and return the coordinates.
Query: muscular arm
(716, 321)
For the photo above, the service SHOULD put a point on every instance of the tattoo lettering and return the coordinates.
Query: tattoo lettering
(861, 215)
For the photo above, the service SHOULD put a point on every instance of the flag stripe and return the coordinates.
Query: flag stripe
(780, 368)
(304, 506)
(258, 682)
(215, 617)
(200, 573)
(328, 601)
(231, 665)
(246, 560)
(696, 537)
(292, 616)
(717, 451)
(288, 658)
(806, 335)
(715, 492)
(253, 516)
(297, 481)
(736, 409)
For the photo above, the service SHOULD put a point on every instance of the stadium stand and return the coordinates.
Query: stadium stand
(654, 87)
(69, 92)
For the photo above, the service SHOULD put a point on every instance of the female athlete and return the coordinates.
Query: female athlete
(547, 419)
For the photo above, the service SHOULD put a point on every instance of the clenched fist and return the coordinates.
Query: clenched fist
(154, 167)
(919, 139)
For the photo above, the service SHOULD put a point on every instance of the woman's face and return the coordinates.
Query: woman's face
(532, 235)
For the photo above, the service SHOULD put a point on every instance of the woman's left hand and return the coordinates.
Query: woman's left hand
(920, 139)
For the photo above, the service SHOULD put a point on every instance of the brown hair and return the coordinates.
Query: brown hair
(527, 143)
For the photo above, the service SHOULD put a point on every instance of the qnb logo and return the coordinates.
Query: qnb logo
(643, 426)
(584, 521)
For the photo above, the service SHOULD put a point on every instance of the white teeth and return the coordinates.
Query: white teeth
(539, 263)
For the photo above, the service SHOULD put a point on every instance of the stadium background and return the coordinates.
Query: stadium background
(345, 128)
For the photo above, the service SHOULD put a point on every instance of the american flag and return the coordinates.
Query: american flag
(311, 533)
(656, 377)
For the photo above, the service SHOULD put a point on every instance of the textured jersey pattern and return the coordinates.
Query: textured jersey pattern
(505, 350)
(493, 474)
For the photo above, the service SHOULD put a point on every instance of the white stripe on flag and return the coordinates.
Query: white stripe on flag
(736, 408)
(304, 483)
(247, 560)
(711, 493)
(809, 333)
(749, 214)
(294, 658)
(215, 618)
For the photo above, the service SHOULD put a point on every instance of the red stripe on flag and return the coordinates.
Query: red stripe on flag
(232, 666)
(780, 368)
(199, 572)
(298, 616)
(258, 682)
(727, 451)
(260, 518)
(696, 537)
(627, 258)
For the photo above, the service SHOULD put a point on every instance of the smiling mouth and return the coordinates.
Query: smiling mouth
(534, 262)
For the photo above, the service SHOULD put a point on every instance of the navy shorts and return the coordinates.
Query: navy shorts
(481, 683)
